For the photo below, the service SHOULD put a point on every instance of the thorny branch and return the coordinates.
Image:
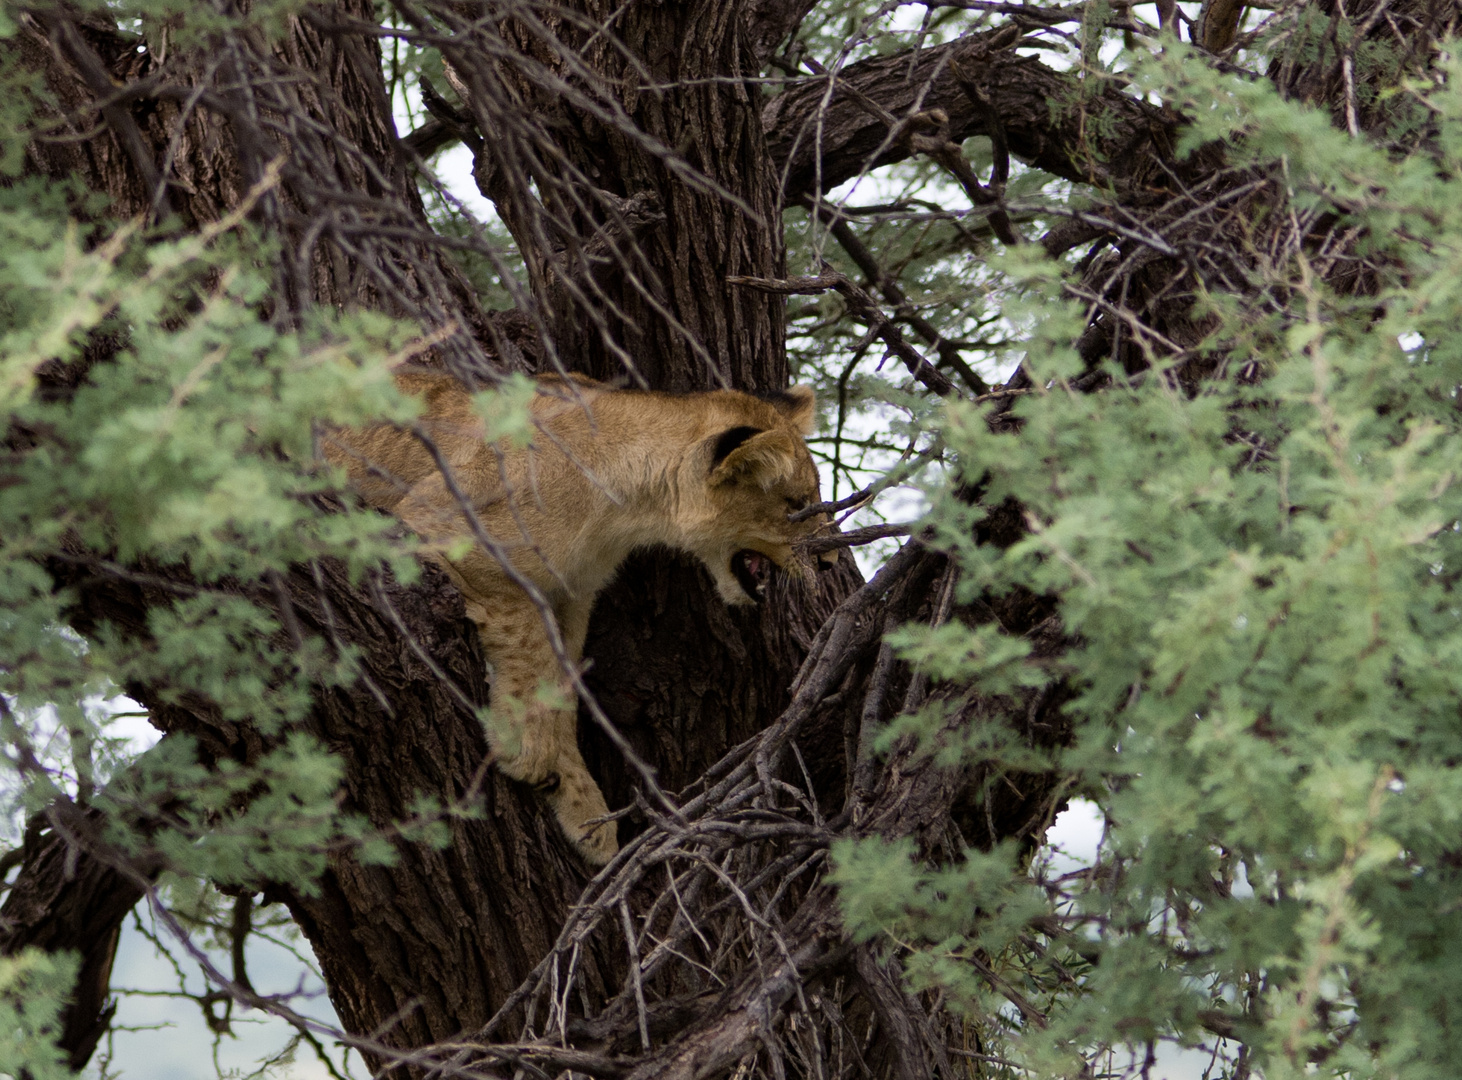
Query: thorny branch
(949, 353)
(865, 309)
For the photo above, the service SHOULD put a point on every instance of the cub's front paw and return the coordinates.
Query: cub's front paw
(577, 802)
(599, 844)
(527, 752)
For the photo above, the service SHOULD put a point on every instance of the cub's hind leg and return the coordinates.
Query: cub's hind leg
(533, 739)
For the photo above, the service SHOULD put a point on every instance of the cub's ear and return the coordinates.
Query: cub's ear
(799, 405)
(758, 457)
(729, 440)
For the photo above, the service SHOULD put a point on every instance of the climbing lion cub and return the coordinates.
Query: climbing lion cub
(607, 471)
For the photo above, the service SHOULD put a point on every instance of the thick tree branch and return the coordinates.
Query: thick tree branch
(770, 21)
(65, 900)
(1045, 115)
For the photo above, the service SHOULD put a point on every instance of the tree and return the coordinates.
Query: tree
(1189, 561)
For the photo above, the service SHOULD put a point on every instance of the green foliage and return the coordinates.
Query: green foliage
(33, 989)
(280, 832)
(1259, 581)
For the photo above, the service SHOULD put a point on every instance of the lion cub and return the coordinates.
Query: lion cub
(607, 471)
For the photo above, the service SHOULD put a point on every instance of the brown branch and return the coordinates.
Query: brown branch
(65, 901)
(863, 308)
(67, 41)
(856, 538)
(239, 929)
(432, 136)
(1037, 128)
(900, 1019)
(749, 1012)
(949, 354)
(907, 465)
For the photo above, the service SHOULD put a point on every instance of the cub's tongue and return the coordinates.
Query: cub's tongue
(753, 570)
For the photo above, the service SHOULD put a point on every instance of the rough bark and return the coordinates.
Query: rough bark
(663, 190)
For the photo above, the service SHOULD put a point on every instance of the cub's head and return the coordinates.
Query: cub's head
(757, 475)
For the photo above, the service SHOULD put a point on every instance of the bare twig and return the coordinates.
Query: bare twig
(863, 308)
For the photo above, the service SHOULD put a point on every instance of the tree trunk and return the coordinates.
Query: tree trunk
(654, 184)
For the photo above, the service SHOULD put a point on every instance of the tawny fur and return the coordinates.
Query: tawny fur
(607, 471)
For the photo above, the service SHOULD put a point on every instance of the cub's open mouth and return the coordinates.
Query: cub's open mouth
(753, 570)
